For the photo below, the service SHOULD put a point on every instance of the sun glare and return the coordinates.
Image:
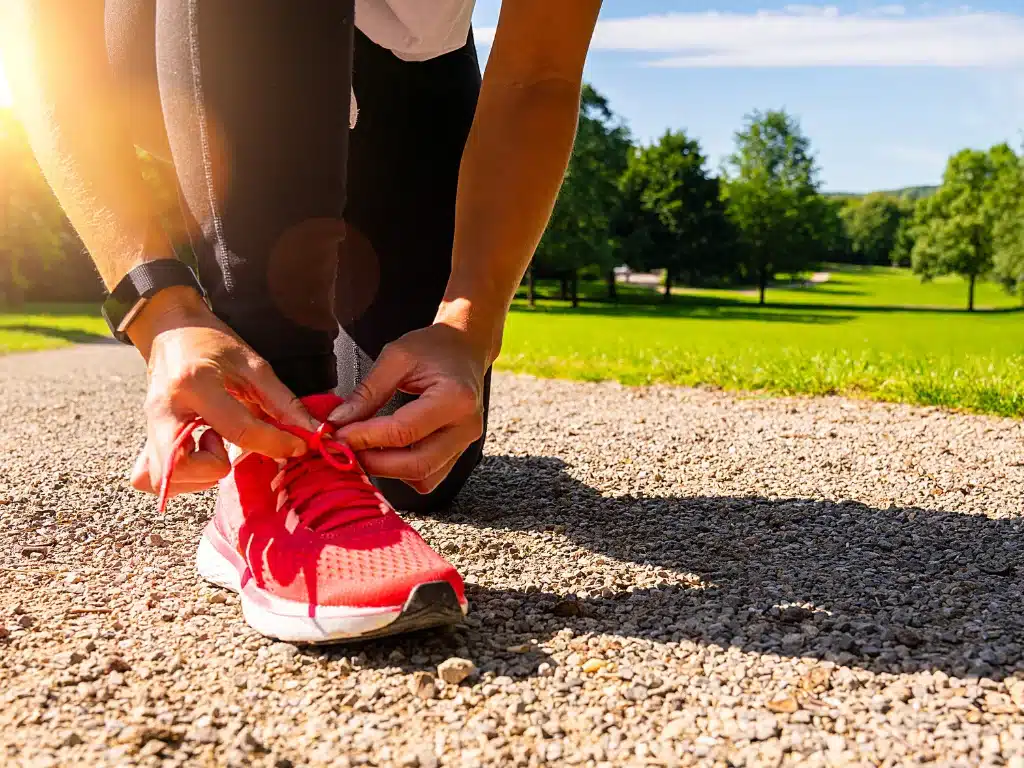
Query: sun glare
(5, 91)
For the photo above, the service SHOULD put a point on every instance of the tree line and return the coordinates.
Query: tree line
(647, 207)
(662, 207)
(41, 256)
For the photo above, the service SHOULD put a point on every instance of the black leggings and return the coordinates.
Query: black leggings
(318, 245)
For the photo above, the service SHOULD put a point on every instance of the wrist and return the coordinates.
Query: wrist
(174, 307)
(481, 327)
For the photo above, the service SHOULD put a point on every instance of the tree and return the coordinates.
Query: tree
(32, 225)
(1007, 203)
(956, 231)
(826, 234)
(906, 236)
(579, 233)
(672, 216)
(772, 196)
(873, 224)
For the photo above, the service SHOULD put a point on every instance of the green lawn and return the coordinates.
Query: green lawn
(45, 326)
(877, 333)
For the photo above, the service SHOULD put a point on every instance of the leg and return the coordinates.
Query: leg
(414, 118)
(255, 98)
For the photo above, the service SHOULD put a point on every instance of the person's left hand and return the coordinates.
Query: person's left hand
(421, 441)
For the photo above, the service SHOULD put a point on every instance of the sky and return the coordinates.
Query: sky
(885, 91)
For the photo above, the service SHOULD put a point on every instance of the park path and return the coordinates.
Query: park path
(658, 576)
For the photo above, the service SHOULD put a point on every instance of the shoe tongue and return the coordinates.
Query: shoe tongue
(320, 406)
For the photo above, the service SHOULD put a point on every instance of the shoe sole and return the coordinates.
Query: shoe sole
(431, 604)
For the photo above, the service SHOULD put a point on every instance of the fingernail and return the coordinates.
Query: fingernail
(338, 413)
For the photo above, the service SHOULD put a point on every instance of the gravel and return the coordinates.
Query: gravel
(658, 576)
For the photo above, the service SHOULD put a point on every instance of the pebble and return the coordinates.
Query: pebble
(73, 739)
(1016, 691)
(283, 650)
(422, 685)
(674, 729)
(786, 551)
(152, 747)
(454, 670)
(783, 705)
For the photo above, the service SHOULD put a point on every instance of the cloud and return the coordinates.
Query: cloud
(817, 36)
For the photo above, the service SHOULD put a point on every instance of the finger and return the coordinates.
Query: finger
(408, 425)
(428, 485)
(140, 478)
(177, 489)
(236, 423)
(164, 451)
(196, 471)
(424, 459)
(212, 443)
(279, 401)
(372, 393)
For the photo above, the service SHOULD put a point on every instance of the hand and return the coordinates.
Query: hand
(198, 367)
(421, 441)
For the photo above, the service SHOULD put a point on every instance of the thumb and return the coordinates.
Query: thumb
(373, 392)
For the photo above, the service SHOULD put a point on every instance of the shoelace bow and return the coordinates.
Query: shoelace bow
(325, 487)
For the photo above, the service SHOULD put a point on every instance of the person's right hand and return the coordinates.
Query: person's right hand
(199, 368)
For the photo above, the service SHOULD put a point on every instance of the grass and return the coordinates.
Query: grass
(875, 333)
(47, 326)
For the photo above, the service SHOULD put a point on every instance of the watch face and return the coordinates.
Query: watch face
(117, 313)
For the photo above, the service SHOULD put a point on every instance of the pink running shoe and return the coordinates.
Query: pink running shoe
(317, 554)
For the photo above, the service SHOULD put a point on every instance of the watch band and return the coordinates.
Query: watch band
(140, 284)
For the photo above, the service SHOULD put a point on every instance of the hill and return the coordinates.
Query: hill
(914, 193)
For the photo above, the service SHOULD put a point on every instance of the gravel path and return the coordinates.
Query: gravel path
(658, 577)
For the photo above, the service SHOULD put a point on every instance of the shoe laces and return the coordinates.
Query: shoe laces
(324, 487)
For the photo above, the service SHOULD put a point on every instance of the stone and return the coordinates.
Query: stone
(783, 705)
(422, 685)
(454, 670)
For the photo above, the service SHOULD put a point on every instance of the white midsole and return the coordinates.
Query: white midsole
(289, 620)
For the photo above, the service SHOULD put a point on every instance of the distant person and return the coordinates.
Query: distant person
(412, 232)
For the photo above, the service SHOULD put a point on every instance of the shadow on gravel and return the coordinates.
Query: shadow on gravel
(890, 590)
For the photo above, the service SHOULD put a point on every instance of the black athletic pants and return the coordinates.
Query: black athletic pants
(301, 225)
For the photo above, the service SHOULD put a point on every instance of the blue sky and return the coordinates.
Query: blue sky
(885, 91)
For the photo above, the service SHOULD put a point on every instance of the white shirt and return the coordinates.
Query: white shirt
(416, 30)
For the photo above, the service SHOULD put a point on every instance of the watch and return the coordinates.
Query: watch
(141, 284)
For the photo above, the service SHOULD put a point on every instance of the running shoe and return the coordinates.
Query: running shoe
(315, 551)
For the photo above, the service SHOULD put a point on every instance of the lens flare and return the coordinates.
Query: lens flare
(5, 90)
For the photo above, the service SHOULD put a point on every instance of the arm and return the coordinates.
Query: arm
(512, 168)
(515, 158)
(76, 120)
(65, 96)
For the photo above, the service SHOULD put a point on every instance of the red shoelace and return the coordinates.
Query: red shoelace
(325, 487)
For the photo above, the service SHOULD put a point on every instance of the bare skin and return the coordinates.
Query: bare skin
(518, 149)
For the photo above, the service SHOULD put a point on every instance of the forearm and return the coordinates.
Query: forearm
(77, 124)
(512, 169)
